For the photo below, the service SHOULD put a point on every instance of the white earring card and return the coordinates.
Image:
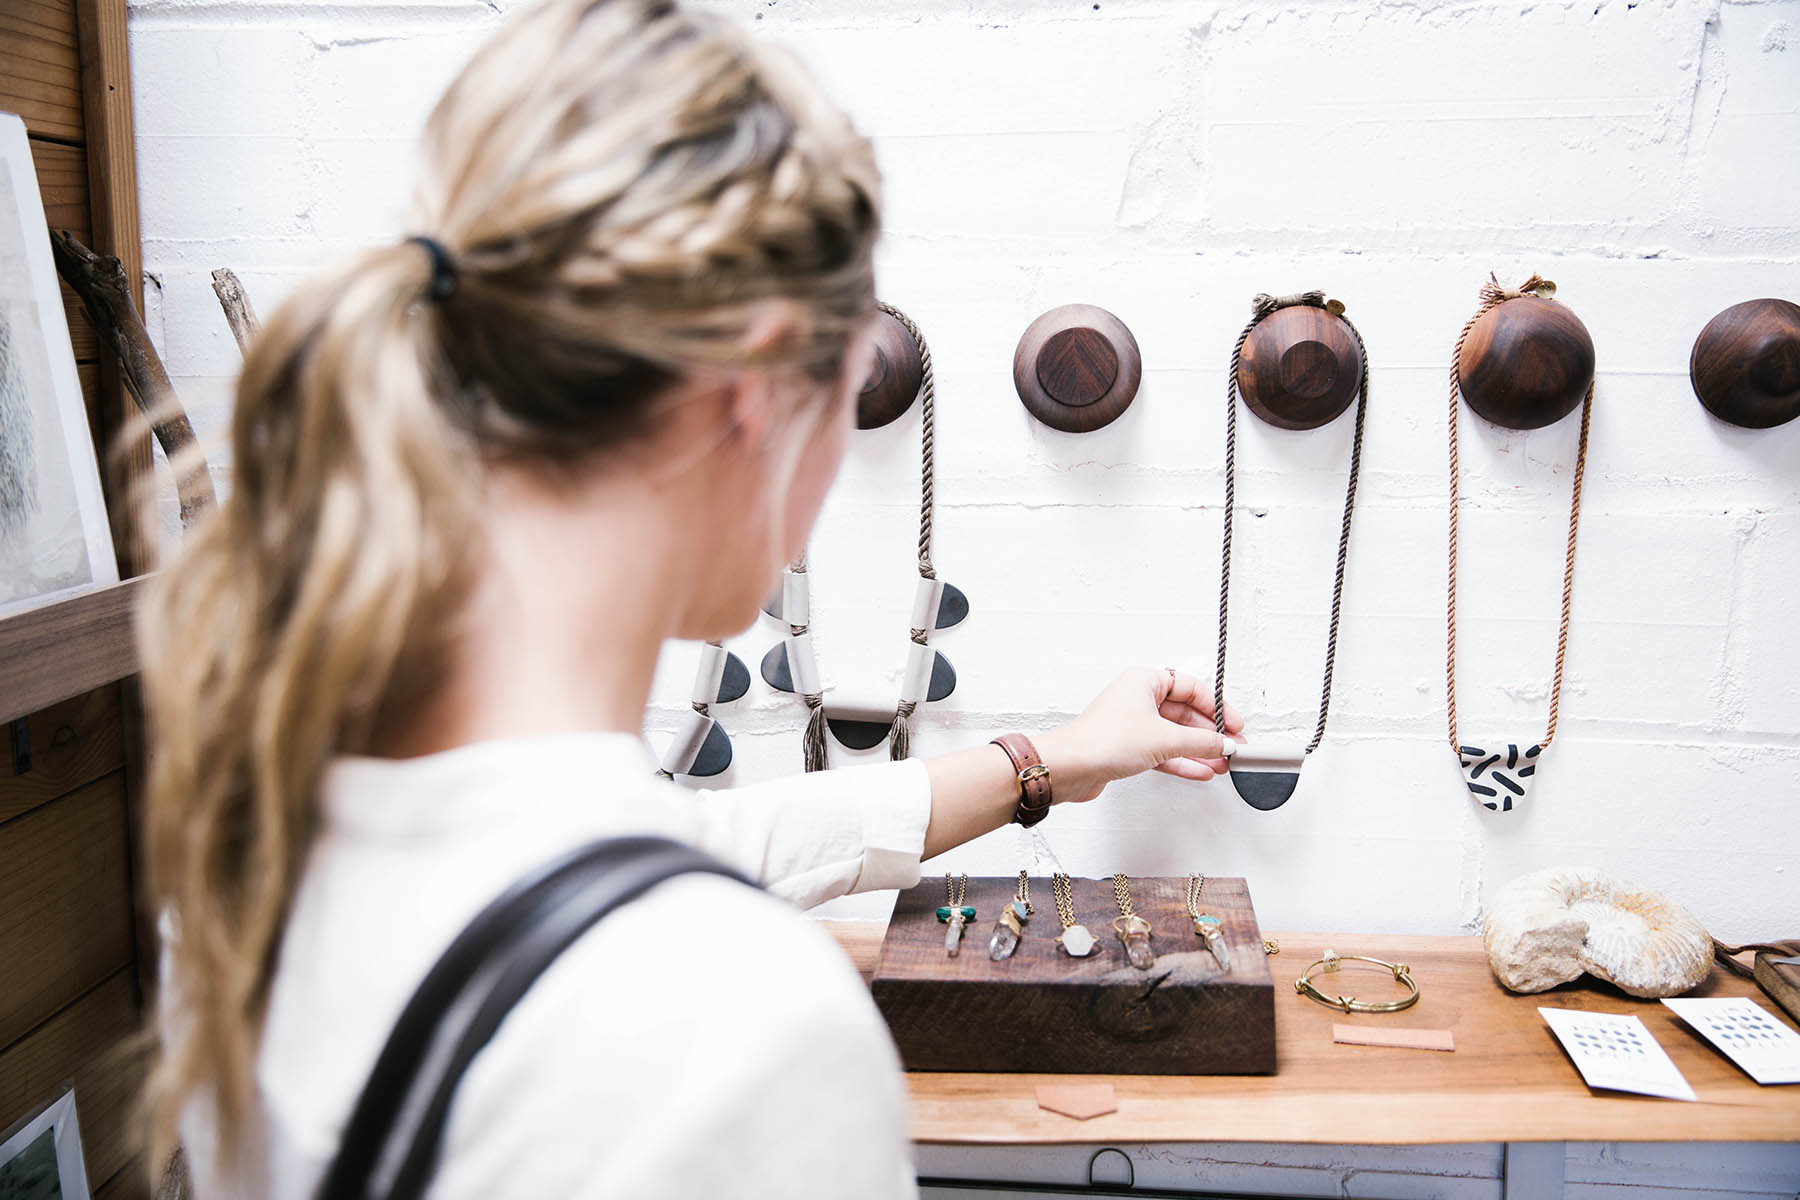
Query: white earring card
(1746, 1033)
(1617, 1053)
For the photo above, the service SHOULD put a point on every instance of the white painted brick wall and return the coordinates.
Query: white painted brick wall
(1167, 159)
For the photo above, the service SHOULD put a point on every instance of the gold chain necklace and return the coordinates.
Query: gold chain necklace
(956, 914)
(1075, 939)
(1009, 927)
(1132, 929)
(1207, 927)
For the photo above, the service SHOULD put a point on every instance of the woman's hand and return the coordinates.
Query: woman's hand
(1146, 719)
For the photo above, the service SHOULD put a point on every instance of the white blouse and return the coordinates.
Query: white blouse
(705, 1040)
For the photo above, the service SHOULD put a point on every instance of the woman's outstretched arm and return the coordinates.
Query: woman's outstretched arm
(1144, 720)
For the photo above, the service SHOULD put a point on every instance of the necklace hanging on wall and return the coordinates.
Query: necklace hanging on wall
(1522, 361)
(861, 721)
(1297, 365)
(701, 747)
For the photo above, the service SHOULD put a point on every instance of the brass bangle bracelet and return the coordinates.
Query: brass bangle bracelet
(1331, 961)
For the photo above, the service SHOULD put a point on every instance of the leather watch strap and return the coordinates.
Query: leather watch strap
(1034, 778)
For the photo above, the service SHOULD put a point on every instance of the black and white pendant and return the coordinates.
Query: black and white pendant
(1265, 776)
(1499, 778)
(701, 747)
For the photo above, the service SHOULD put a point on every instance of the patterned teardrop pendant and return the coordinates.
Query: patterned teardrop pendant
(1500, 778)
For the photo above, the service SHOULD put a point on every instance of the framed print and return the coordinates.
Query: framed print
(53, 530)
(40, 1157)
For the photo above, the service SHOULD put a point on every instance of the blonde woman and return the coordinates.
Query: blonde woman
(479, 477)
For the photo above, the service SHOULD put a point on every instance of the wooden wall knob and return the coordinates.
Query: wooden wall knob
(1526, 363)
(1077, 368)
(893, 381)
(1300, 367)
(1746, 364)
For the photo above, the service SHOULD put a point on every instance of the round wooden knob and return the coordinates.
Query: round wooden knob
(1077, 368)
(1526, 363)
(1746, 364)
(1300, 368)
(893, 381)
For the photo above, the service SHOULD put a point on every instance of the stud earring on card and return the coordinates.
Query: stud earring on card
(1297, 365)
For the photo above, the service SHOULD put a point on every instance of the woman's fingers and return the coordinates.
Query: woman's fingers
(1183, 687)
(1187, 768)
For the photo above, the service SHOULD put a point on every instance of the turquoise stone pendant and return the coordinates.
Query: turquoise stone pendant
(1008, 931)
(1211, 930)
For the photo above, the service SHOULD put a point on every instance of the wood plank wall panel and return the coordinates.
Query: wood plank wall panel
(71, 1003)
(90, 1043)
(128, 1184)
(63, 174)
(40, 67)
(125, 454)
(65, 903)
(67, 745)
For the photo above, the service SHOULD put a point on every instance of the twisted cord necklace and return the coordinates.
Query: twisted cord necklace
(1498, 778)
(1261, 788)
(792, 665)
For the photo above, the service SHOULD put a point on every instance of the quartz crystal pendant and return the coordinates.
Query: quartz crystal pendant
(954, 919)
(1212, 930)
(1134, 931)
(1007, 932)
(953, 931)
(1078, 941)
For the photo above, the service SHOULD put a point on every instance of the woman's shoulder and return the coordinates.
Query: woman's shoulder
(707, 1035)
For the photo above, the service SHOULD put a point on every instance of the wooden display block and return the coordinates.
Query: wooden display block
(1043, 1011)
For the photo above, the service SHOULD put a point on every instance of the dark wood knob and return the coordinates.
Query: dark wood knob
(1300, 368)
(893, 381)
(1746, 364)
(1526, 363)
(1077, 368)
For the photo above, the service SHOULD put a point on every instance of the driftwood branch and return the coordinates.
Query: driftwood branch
(99, 279)
(238, 312)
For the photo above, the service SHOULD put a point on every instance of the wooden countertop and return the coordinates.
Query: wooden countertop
(1508, 1079)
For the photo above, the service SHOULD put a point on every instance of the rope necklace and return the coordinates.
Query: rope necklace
(1266, 789)
(1498, 778)
(791, 666)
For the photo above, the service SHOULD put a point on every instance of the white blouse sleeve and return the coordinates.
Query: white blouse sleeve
(812, 838)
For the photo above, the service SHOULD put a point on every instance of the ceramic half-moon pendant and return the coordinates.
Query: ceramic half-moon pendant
(1499, 778)
(735, 681)
(1265, 777)
(1746, 364)
(861, 723)
(701, 747)
(715, 753)
(775, 669)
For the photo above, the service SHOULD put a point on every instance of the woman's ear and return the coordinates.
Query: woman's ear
(750, 406)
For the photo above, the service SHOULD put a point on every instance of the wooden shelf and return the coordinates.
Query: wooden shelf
(1507, 1081)
(62, 649)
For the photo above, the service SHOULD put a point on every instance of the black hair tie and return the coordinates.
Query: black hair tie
(443, 269)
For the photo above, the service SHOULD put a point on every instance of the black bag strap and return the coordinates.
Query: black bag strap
(390, 1145)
